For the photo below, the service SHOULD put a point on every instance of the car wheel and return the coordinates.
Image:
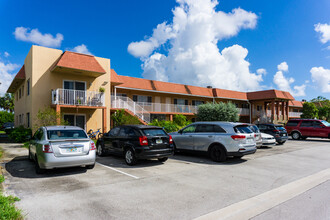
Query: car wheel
(30, 156)
(100, 151)
(218, 154)
(130, 157)
(37, 167)
(295, 135)
(90, 166)
(163, 159)
(281, 142)
(238, 157)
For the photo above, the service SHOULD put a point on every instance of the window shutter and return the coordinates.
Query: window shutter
(193, 102)
(186, 102)
(175, 101)
(135, 98)
(149, 99)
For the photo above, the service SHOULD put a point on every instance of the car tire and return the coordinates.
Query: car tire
(130, 157)
(295, 135)
(281, 142)
(100, 150)
(90, 166)
(37, 167)
(218, 154)
(238, 157)
(162, 159)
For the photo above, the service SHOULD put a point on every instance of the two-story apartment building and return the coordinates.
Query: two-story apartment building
(66, 81)
(85, 91)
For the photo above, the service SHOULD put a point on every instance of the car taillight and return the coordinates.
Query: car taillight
(171, 139)
(255, 135)
(238, 137)
(47, 148)
(143, 141)
(276, 131)
(92, 146)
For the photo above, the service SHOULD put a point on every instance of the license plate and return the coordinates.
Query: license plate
(73, 150)
(249, 141)
(283, 134)
(159, 141)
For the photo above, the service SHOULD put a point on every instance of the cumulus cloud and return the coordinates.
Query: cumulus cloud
(321, 77)
(36, 37)
(324, 30)
(6, 54)
(284, 83)
(186, 50)
(6, 76)
(81, 49)
(262, 71)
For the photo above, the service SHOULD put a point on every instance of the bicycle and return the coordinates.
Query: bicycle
(92, 134)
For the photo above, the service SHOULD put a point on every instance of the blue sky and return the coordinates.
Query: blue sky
(284, 31)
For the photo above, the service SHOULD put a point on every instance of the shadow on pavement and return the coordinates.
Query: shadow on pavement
(320, 140)
(21, 167)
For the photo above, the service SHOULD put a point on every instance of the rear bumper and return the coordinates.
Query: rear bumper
(268, 143)
(156, 153)
(49, 161)
(281, 138)
(242, 153)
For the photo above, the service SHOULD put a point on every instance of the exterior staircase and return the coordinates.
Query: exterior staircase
(130, 107)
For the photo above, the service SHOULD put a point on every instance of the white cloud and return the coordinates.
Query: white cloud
(324, 30)
(6, 54)
(34, 36)
(81, 49)
(284, 83)
(283, 67)
(321, 77)
(262, 71)
(6, 76)
(193, 56)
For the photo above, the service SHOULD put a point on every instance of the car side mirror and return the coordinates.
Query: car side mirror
(180, 131)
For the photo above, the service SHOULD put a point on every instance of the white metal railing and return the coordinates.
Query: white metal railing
(129, 104)
(243, 111)
(163, 107)
(77, 97)
(295, 114)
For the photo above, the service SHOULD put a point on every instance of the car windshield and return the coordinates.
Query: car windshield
(326, 123)
(66, 134)
(154, 132)
(280, 127)
(254, 128)
(243, 129)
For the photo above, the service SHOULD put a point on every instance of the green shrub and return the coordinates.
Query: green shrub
(122, 118)
(20, 134)
(217, 112)
(179, 121)
(8, 209)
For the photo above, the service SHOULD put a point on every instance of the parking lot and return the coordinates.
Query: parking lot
(184, 187)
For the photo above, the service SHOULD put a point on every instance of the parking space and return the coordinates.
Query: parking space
(184, 187)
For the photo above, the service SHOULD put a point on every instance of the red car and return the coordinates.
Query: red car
(303, 128)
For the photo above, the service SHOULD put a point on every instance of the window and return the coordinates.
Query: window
(243, 129)
(154, 132)
(38, 135)
(19, 93)
(114, 131)
(189, 129)
(74, 85)
(159, 117)
(197, 103)
(245, 105)
(65, 134)
(259, 107)
(180, 102)
(28, 87)
(306, 124)
(121, 95)
(317, 124)
(293, 123)
(210, 128)
(142, 99)
(28, 119)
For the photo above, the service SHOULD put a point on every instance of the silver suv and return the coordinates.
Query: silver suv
(218, 139)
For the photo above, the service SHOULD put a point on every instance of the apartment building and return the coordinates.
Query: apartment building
(86, 91)
(66, 81)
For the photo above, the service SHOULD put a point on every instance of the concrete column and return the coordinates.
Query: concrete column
(273, 110)
(287, 109)
(171, 117)
(58, 113)
(104, 120)
(278, 110)
(283, 110)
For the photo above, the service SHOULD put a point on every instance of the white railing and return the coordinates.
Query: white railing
(162, 107)
(243, 111)
(77, 97)
(129, 104)
(295, 114)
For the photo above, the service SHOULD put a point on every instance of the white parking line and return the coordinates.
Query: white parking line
(127, 174)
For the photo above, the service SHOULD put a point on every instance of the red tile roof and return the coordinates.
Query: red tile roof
(115, 78)
(21, 73)
(296, 103)
(79, 61)
(229, 94)
(269, 94)
(17, 81)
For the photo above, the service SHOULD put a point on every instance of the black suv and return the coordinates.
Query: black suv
(136, 142)
(278, 131)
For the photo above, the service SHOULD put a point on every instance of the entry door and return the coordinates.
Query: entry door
(75, 120)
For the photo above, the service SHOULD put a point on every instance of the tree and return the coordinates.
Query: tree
(324, 113)
(121, 118)
(309, 110)
(6, 117)
(48, 117)
(217, 112)
(7, 102)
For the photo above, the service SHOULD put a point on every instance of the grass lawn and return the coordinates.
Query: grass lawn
(8, 209)
(2, 132)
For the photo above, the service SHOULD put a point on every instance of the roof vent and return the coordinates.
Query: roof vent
(209, 87)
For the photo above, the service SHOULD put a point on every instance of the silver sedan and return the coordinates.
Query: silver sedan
(61, 146)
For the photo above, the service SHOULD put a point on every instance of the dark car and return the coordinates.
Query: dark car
(278, 131)
(136, 142)
(303, 128)
(7, 125)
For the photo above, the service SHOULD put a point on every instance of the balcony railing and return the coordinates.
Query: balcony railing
(77, 97)
(295, 114)
(162, 107)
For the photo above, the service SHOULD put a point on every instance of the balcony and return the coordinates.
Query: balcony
(295, 114)
(77, 97)
(168, 108)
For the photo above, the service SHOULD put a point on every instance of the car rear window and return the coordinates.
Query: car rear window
(292, 123)
(154, 132)
(325, 123)
(254, 128)
(280, 127)
(66, 134)
(243, 129)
